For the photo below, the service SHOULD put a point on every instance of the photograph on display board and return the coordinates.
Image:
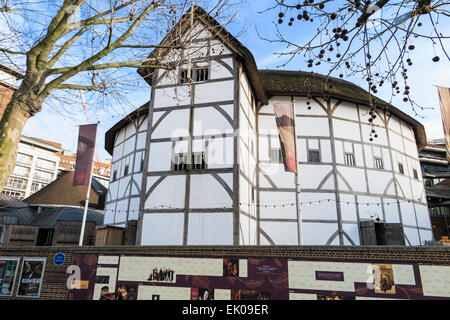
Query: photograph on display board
(126, 292)
(8, 270)
(162, 274)
(230, 267)
(202, 294)
(31, 276)
(334, 297)
(383, 278)
(102, 279)
(249, 295)
(105, 294)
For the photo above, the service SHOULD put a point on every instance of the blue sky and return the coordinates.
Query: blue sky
(56, 124)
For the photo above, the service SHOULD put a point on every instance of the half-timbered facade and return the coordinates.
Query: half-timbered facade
(200, 163)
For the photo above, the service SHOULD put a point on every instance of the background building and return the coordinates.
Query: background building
(8, 78)
(36, 166)
(200, 163)
(41, 161)
(436, 176)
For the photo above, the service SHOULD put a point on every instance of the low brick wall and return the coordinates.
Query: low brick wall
(268, 269)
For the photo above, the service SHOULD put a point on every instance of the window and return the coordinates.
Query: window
(415, 174)
(184, 76)
(179, 162)
(349, 159)
(125, 172)
(379, 163)
(198, 161)
(16, 183)
(36, 186)
(276, 156)
(400, 168)
(201, 74)
(253, 195)
(313, 156)
(142, 165)
(115, 175)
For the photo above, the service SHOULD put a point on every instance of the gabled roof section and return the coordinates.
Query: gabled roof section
(301, 83)
(220, 33)
(48, 217)
(62, 192)
(14, 210)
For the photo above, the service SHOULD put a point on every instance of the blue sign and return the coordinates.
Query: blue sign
(59, 259)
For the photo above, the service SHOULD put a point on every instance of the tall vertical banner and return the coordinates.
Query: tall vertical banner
(444, 98)
(284, 115)
(85, 154)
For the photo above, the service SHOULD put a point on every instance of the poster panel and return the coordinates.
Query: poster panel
(31, 277)
(383, 277)
(202, 294)
(249, 295)
(126, 292)
(8, 271)
(230, 267)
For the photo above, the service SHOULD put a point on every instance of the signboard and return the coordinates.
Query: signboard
(31, 276)
(8, 271)
(59, 259)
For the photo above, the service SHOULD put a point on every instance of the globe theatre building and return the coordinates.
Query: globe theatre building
(201, 162)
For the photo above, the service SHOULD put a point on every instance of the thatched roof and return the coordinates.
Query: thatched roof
(301, 83)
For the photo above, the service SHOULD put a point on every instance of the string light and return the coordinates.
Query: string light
(283, 205)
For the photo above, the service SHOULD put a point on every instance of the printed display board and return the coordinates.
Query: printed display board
(8, 270)
(31, 276)
(130, 277)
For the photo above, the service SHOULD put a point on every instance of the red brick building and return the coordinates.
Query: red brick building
(8, 78)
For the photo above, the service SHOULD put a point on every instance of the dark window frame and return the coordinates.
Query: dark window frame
(349, 159)
(316, 158)
(401, 169)
(379, 164)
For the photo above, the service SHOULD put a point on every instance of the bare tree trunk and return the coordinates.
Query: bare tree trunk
(21, 107)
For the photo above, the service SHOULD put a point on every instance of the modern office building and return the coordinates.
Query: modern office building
(36, 166)
(436, 176)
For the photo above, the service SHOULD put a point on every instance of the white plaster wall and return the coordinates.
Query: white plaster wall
(162, 229)
(205, 184)
(214, 91)
(325, 210)
(282, 233)
(210, 228)
(160, 157)
(170, 192)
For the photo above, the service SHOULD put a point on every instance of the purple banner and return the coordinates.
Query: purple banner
(85, 154)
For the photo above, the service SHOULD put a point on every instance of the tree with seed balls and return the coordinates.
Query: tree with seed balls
(82, 45)
(374, 39)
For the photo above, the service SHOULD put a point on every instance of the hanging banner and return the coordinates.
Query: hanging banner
(444, 98)
(284, 115)
(85, 154)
